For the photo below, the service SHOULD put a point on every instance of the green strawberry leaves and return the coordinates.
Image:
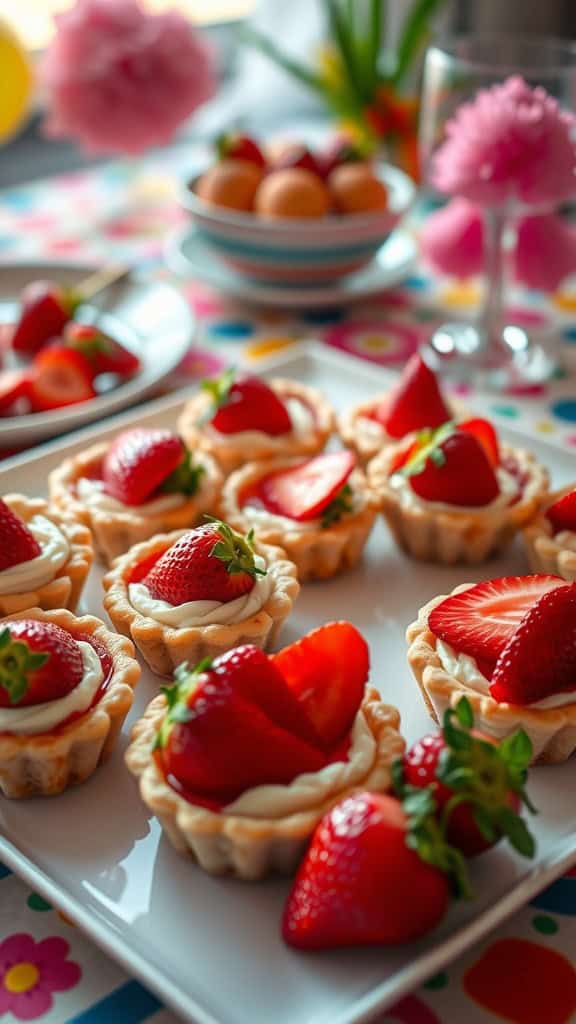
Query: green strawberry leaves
(236, 551)
(340, 506)
(185, 479)
(17, 662)
(219, 390)
(429, 447)
(177, 694)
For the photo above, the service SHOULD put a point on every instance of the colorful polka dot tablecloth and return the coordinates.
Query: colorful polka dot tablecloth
(49, 972)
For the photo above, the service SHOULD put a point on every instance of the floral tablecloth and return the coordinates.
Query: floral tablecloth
(525, 972)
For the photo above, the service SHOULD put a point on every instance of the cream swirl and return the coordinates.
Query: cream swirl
(38, 571)
(205, 613)
(37, 718)
(408, 498)
(301, 418)
(465, 670)
(92, 493)
(312, 788)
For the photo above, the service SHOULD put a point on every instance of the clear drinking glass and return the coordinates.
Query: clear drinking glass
(491, 351)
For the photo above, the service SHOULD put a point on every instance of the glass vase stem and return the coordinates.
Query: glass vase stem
(490, 318)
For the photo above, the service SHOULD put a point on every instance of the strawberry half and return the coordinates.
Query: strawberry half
(244, 402)
(415, 403)
(14, 386)
(210, 563)
(451, 466)
(539, 659)
(39, 662)
(141, 461)
(479, 621)
(232, 724)
(362, 881)
(59, 376)
(477, 783)
(17, 543)
(562, 513)
(485, 433)
(45, 309)
(104, 354)
(327, 672)
(306, 491)
(234, 146)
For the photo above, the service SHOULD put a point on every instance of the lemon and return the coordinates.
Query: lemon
(15, 82)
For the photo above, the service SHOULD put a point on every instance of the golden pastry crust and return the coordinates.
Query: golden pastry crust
(546, 551)
(551, 730)
(65, 589)
(45, 764)
(451, 535)
(317, 553)
(230, 452)
(164, 647)
(249, 847)
(366, 436)
(116, 532)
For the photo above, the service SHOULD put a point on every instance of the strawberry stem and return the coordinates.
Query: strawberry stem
(17, 661)
(219, 390)
(427, 837)
(236, 551)
(177, 696)
(185, 479)
(429, 447)
(340, 506)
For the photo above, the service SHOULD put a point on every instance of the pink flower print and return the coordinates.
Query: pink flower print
(31, 971)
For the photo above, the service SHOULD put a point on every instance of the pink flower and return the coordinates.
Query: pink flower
(452, 239)
(119, 79)
(30, 972)
(545, 251)
(510, 142)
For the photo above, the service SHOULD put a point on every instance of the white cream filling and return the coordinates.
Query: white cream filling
(39, 571)
(465, 670)
(301, 418)
(566, 539)
(205, 613)
(92, 493)
(312, 788)
(409, 499)
(37, 718)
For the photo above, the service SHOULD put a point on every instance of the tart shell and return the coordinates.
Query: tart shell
(164, 647)
(116, 532)
(45, 764)
(552, 731)
(317, 553)
(65, 589)
(231, 453)
(545, 553)
(458, 535)
(366, 436)
(247, 847)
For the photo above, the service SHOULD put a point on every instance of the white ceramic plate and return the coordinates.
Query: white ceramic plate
(211, 947)
(187, 255)
(149, 316)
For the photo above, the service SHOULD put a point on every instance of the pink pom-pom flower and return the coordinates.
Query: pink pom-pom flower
(509, 143)
(119, 79)
(452, 239)
(545, 251)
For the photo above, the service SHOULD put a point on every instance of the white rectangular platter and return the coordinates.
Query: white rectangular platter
(211, 948)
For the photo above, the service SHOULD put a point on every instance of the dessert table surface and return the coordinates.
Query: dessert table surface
(123, 211)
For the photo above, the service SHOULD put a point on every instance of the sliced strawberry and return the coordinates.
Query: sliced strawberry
(45, 309)
(480, 621)
(485, 433)
(244, 403)
(104, 353)
(452, 468)
(39, 662)
(210, 563)
(17, 543)
(539, 659)
(59, 377)
(415, 403)
(14, 386)
(305, 491)
(327, 671)
(562, 514)
(234, 146)
(216, 739)
(142, 460)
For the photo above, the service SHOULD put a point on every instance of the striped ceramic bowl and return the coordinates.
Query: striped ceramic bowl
(290, 251)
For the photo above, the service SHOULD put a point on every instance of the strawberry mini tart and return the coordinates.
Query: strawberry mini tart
(242, 757)
(143, 483)
(550, 539)
(509, 646)
(44, 558)
(194, 594)
(65, 689)
(237, 418)
(414, 404)
(455, 494)
(320, 510)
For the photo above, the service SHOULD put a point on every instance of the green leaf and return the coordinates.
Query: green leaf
(485, 823)
(397, 772)
(413, 37)
(251, 37)
(185, 479)
(340, 506)
(516, 831)
(516, 749)
(464, 713)
(343, 40)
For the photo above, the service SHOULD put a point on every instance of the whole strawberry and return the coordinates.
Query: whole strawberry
(142, 461)
(415, 403)
(562, 513)
(477, 784)
(17, 543)
(244, 402)
(234, 146)
(210, 563)
(45, 309)
(39, 662)
(450, 465)
(105, 354)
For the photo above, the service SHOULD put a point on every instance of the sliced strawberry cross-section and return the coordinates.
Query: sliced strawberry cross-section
(305, 491)
(244, 402)
(562, 513)
(415, 403)
(60, 376)
(17, 543)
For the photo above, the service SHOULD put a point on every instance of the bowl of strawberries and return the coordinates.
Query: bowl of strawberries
(290, 215)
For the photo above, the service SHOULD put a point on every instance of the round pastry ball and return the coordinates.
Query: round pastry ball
(230, 183)
(292, 192)
(356, 189)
